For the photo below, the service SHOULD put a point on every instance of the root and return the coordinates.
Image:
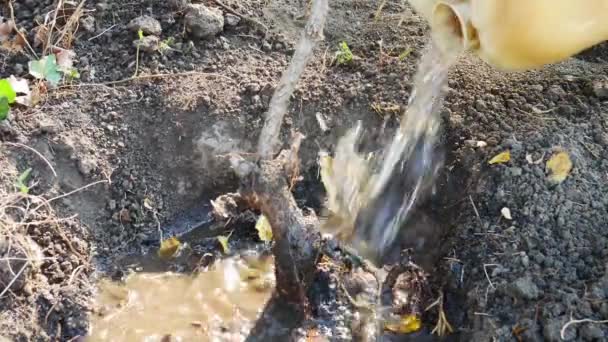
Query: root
(562, 332)
(443, 326)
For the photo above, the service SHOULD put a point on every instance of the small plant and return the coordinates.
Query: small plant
(165, 45)
(7, 97)
(140, 36)
(344, 55)
(21, 182)
(46, 68)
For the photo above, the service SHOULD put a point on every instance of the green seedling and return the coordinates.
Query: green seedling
(7, 97)
(71, 74)
(165, 45)
(140, 36)
(344, 55)
(21, 182)
(46, 68)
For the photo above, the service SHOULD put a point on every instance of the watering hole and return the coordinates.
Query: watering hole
(219, 302)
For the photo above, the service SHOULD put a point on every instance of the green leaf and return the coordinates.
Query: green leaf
(4, 108)
(6, 90)
(46, 69)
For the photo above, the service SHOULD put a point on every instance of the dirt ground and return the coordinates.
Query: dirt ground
(150, 148)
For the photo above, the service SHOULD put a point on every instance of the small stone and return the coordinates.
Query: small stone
(480, 105)
(112, 205)
(600, 89)
(88, 23)
(555, 92)
(553, 327)
(592, 332)
(178, 5)
(202, 21)
(48, 126)
(124, 215)
(523, 288)
(86, 165)
(147, 43)
(147, 24)
(231, 19)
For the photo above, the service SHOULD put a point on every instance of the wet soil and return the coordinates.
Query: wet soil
(159, 142)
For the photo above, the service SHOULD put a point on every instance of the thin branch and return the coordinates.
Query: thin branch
(312, 34)
(36, 152)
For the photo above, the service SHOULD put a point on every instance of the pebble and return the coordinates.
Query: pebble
(523, 288)
(600, 89)
(552, 329)
(147, 24)
(147, 43)
(231, 19)
(592, 332)
(203, 22)
(88, 23)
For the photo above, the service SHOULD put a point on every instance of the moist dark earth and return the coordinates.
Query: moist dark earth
(155, 144)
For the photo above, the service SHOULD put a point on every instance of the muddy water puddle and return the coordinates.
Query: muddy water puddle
(218, 304)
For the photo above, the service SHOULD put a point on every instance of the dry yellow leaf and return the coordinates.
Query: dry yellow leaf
(559, 166)
(501, 158)
(407, 324)
(224, 243)
(168, 248)
(264, 229)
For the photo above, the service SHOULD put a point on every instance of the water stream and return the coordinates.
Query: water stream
(378, 192)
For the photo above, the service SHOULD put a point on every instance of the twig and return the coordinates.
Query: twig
(8, 286)
(279, 103)
(475, 209)
(71, 193)
(562, 332)
(53, 22)
(19, 33)
(487, 276)
(36, 152)
(102, 33)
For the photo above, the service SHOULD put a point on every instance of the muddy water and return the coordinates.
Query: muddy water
(220, 304)
(381, 189)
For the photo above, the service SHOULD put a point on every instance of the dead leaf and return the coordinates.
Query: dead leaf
(264, 229)
(22, 88)
(506, 213)
(501, 158)
(5, 30)
(224, 243)
(168, 248)
(65, 59)
(41, 35)
(124, 215)
(407, 324)
(559, 166)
